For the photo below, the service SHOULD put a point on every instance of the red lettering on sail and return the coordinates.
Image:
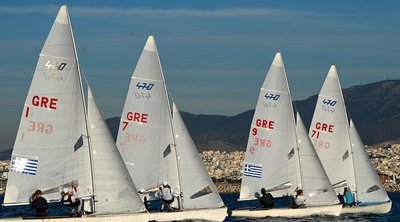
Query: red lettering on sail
(39, 127)
(324, 127)
(320, 144)
(262, 142)
(137, 117)
(44, 102)
(268, 124)
(27, 112)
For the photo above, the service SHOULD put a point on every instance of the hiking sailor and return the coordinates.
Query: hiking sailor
(167, 196)
(266, 200)
(144, 197)
(298, 199)
(348, 198)
(69, 200)
(40, 204)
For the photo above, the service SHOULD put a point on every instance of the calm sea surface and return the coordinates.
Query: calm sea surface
(57, 209)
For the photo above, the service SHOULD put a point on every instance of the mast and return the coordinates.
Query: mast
(84, 110)
(353, 170)
(300, 173)
(172, 128)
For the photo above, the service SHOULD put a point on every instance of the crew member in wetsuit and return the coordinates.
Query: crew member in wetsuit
(40, 204)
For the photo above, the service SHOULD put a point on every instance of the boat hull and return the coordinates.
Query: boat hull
(216, 214)
(382, 208)
(331, 210)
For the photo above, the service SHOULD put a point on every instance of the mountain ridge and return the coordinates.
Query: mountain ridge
(374, 108)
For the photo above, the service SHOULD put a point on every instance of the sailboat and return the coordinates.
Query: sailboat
(60, 140)
(156, 146)
(280, 156)
(342, 152)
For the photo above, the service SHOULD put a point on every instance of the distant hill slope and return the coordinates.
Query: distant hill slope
(374, 107)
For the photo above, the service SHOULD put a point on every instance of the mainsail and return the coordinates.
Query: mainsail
(329, 133)
(145, 138)
(155, 144)
(271, 157)
(198, 189)
(279, 155)
(115, 190)
(51, 147)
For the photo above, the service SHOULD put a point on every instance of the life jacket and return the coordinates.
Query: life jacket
(68, 201)
(166, 193)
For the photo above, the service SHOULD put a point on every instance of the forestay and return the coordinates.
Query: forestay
(369, 186)
(317, 188)
(51, 148)
(198, 189)
(270, 160)
(115, 190)
(145, 138)
(329, 133)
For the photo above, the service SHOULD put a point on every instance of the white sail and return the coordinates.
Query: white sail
(197, 188)
(271, 160)
(51, 147)
(316, 185)
(329, 133)
(115, 190)
(145, 138)
(369, 186)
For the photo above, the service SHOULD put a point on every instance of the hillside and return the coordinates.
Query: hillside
(374, 107)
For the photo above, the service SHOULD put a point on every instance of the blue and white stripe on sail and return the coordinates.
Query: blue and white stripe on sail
(252, 170)
(24, 165)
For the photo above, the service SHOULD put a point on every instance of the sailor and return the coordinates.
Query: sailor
(69, 200)
(143, 196)
(267, 201)
(40, 204)
(298, 199)
(348, 198)
(167, 196)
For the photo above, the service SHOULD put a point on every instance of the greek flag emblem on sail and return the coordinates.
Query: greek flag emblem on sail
(252, 170)
(24, 165)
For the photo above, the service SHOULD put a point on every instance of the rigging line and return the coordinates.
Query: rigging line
(84, 111)
(172, 128)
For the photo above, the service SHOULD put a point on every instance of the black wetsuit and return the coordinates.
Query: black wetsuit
(267, 201)
(40, 205)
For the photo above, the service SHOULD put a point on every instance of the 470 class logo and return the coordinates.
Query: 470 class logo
(144, 85)
(272, 96)
(329, 102)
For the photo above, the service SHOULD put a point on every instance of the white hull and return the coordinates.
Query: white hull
(371, 209)
(332, 210)
(218, 214)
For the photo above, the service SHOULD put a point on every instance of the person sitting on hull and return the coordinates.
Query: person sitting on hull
(348, 198)
(40, 204)
(167, 196)
(266, 200)
(298, 200)
(143, 196)
(69, 200)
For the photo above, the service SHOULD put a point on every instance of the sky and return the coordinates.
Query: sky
(215, 54)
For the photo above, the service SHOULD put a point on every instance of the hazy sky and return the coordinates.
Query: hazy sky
(214, 53)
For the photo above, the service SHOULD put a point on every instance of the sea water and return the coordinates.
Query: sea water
(230, 200)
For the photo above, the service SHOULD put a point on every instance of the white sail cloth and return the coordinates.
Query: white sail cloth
(274, 159)
(51, 148)
(339, 146)
(197, 188)
(146, 139)
(115, 190)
